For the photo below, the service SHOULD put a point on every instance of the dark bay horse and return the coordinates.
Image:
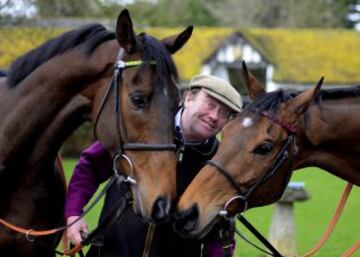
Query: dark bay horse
(53, 89)
(277, 133)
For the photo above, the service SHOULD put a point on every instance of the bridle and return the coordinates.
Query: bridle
(123, 143)
(277, 163)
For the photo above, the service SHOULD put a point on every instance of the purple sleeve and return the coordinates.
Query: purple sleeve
(93, 168)
(214, 248)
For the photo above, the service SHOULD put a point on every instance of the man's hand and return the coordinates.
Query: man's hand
(74, 231)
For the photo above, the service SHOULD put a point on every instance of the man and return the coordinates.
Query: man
(208, 104)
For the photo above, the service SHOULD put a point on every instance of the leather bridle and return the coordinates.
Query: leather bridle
(123, 143)
(277, 163)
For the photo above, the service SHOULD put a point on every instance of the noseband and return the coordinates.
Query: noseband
(281, 157)
(123, 144)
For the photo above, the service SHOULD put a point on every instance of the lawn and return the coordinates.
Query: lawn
(311, 217)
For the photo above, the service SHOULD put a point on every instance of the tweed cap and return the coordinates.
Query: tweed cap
(219, 89)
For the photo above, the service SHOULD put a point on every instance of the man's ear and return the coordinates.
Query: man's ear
(189, 97)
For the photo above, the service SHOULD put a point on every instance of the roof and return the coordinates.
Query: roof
(304, 55)
(202, 43)
(298, 55)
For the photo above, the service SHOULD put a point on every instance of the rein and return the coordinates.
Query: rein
(319, 244)
(31, 234)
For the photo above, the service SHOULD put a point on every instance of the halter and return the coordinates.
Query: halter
(281, 157)
(116, 83)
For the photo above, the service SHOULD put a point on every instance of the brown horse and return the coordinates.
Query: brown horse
(277, 133)
(53, 89)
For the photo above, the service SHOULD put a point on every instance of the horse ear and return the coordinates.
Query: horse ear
(301, 103)
(175, 42)
(253, 86)
(125, 34)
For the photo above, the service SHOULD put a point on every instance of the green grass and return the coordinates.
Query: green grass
(311, 217)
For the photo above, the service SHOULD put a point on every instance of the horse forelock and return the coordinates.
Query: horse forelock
(269, 102)
(154, 50)
(87, 37)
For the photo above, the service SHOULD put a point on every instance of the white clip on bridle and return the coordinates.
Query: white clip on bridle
(128, 178)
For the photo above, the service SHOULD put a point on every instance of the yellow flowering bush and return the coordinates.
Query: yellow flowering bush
(16, 41)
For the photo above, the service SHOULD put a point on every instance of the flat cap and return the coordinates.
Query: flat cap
(219, 89)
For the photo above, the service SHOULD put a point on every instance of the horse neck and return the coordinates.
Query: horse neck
(329, 138)
(32, 105)
(74, 113)
(34, 179)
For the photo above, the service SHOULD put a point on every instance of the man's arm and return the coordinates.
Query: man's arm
(93, 168)
(214, 248)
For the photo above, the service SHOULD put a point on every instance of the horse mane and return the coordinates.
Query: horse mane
(339, 93)
(154, 50)
(271, 101)
(89, 37)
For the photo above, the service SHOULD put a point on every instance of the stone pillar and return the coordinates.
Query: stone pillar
(282, 228)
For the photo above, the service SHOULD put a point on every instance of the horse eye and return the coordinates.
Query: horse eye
(264, 148)
(139, 101)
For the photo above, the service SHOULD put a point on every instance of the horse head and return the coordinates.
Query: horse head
(126, 84)
(133, 115)
(252, 165)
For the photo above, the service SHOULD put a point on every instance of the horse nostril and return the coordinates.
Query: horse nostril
(160, 211)
(186, 221)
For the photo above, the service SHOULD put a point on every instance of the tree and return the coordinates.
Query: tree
(68, 8)
(353, 17)
(280, 13)
(172, 13)
(231, 13)
(14, 11)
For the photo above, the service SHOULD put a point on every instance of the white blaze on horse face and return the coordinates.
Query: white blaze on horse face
(247, 122)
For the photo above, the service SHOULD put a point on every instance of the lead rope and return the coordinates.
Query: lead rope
(332, 224)
(352, 250)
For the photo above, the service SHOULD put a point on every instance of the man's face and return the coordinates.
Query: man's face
(203, 116)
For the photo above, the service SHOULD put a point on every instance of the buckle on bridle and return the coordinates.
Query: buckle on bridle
(128, 178)
(29, 237)
(225, 213)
